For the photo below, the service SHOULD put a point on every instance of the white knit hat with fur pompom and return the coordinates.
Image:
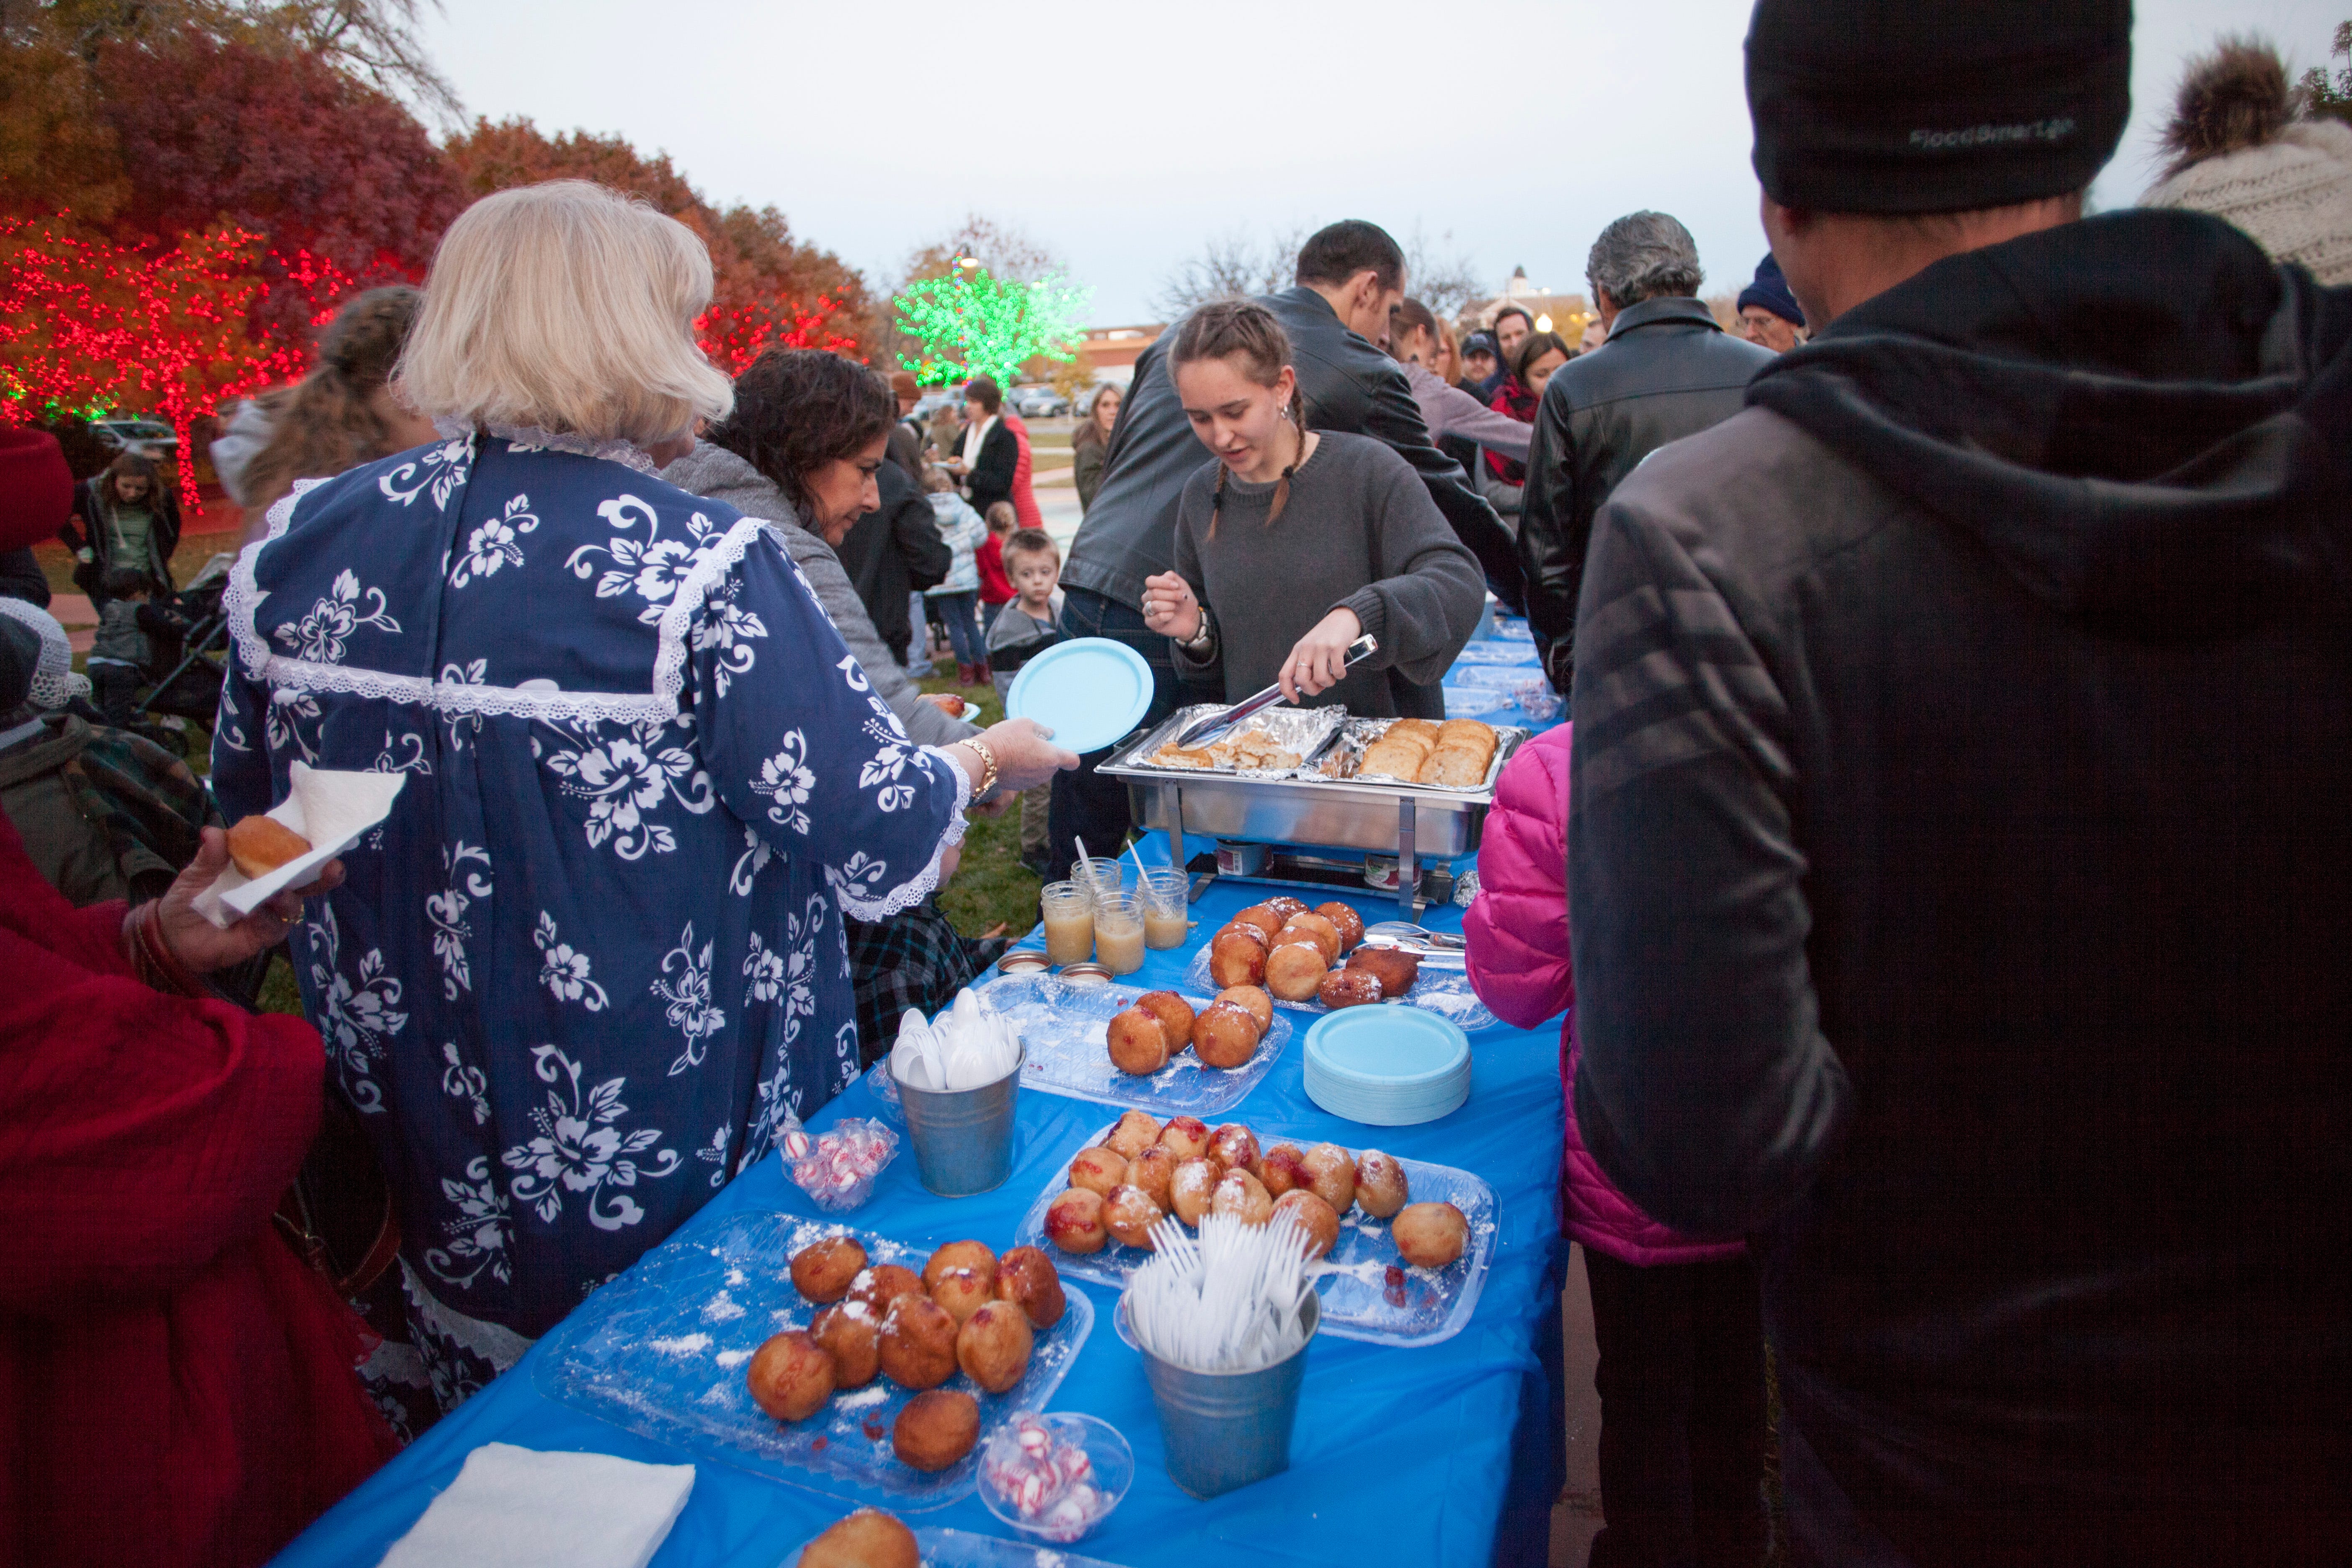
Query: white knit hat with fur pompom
(2238, 154)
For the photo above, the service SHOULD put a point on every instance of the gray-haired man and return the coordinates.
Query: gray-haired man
(1666, 371)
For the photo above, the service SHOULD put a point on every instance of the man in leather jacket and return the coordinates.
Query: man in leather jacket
(1666, 371)
(1350, 275)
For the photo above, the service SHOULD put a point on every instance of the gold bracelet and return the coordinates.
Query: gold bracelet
(987, 765)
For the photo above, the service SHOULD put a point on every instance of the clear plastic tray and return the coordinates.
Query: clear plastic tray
(1063, 1029)
(1497, 650)
(661, 1352)
(1446, 992)
(1501, 677)
(1369, 1292)
(1475, 701)
(962, 1549)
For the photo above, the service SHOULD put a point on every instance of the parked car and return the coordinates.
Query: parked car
(932, 402)
(137, 435)
(1039, 403)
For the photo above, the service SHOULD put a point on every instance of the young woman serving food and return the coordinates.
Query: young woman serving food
(1295, 542)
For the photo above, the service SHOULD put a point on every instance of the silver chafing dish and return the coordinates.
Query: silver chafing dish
(1307, 808)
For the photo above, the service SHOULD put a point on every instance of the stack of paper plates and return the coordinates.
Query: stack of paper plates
(1387, 1066)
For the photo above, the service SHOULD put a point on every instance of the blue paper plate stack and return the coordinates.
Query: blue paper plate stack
(1387, 1066)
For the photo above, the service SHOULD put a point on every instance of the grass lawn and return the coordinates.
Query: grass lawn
(990, 886)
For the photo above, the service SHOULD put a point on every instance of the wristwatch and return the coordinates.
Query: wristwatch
(1204, 639)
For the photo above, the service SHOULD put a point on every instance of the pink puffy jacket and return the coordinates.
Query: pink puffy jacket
(1517, 931)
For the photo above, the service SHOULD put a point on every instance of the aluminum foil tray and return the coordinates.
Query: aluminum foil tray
(1340, 761)
(1369, 1292)
(661, 1350)
(1305, 730)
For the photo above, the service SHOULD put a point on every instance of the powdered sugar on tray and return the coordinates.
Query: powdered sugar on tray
(683, 1345)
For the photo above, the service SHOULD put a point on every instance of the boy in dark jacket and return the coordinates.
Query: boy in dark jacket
(119, 653)
(1021, 631)
(1959, 865)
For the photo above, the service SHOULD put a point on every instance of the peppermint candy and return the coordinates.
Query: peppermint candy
(837, 1167)
(1048, 1483)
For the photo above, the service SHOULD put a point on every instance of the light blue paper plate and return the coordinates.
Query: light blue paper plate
(1089, 692)
(1387, 1066)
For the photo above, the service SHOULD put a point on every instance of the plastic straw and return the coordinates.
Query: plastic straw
(1094, 890)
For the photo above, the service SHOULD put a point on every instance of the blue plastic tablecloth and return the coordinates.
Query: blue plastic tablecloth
(1441, 1455)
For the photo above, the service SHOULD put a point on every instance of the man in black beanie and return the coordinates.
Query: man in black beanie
(1959, 852)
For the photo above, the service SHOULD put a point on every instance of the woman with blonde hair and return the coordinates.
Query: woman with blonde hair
(344, 412)
(593, 957)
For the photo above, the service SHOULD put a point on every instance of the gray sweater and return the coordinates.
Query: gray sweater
(1360, 531)
(719, 474)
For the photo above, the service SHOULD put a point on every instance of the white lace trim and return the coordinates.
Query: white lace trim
(494, 1343)
(669, 653)
(526, 437)
(245, 595)
(543, 700)
(914, 890)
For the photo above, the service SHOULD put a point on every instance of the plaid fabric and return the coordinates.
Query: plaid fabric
(912, 960)
(140, 801)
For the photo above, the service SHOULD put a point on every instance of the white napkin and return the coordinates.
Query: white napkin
(330, 807)
(515, 1508)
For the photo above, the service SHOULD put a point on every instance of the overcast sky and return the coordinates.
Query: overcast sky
(1121, 135)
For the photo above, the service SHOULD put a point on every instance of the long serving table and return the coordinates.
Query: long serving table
(1447, 1454)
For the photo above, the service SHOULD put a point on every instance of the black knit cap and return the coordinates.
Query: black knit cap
(1923, 106)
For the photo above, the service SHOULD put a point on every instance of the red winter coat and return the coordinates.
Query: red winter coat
(995, 587)
(1024, 499)
(175, 1386)
(1517, 931)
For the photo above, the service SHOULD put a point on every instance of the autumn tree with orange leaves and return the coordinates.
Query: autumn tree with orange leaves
(769, 288)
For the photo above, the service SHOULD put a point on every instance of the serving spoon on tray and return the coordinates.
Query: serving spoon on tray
(1443, 948)
(1209, 724)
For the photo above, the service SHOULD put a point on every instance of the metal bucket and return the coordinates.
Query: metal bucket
(964, 1138)
(1225, 1429)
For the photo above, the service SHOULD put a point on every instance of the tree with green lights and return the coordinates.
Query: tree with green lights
(968, 323)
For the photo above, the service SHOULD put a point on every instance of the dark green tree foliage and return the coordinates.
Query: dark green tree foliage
(2330, 92)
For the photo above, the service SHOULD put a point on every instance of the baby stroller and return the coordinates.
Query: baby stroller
(188, 657)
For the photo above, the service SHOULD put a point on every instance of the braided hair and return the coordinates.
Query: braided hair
(1246, 331)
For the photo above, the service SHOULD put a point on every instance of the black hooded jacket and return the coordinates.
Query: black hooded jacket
(1961, 868)
(893, 551)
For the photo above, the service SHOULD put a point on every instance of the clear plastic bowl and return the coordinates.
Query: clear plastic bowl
(1114, 1471)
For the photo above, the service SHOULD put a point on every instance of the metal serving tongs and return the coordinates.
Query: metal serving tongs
(1209, 724)
(1443, 948)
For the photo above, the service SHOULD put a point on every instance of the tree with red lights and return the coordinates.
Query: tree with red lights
(87, 323)
(284, 146)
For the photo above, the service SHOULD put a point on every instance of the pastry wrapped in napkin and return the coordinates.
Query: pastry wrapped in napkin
(330, 809)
